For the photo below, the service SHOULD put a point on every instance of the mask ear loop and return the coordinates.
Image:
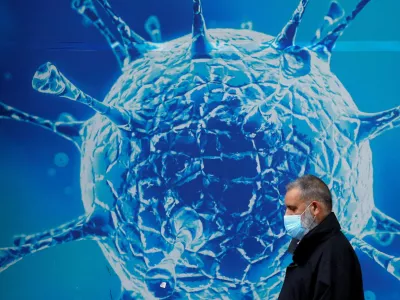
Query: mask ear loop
(305, 209)
(314, 217)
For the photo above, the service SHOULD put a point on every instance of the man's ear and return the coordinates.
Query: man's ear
(316, 208)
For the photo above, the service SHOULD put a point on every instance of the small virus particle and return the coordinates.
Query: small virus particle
(184, 164)
(61, 160)
(369, 295)
(7, 76)
(68, 190)
(51, 172)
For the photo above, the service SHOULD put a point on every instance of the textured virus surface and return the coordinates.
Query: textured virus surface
(184, 164)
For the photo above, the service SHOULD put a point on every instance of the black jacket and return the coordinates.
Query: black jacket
(324, 266)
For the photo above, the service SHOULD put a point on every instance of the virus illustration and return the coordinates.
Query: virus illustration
(185, 162)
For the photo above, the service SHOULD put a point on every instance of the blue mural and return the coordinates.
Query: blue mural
(183, 165)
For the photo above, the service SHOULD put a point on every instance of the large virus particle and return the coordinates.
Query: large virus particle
(184, 164)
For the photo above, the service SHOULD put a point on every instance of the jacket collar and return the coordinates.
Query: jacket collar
(322, 232)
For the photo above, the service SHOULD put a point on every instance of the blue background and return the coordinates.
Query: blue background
(36, 194)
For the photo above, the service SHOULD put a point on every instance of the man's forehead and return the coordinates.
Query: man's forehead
(292, 197)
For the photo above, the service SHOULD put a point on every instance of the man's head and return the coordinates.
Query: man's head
(310, 197)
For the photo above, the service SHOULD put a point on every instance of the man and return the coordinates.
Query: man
(324, 266)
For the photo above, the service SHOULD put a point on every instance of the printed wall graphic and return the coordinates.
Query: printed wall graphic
(183, 165)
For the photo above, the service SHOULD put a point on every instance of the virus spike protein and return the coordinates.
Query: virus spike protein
(389, 262)
(68, 130)
(49, 80)
(134, 44)
(201, 45)
(92, 226)
(327, 44)
(374, 124)
(88, 11)
(335, 13)
(286, 37)
(153, 28)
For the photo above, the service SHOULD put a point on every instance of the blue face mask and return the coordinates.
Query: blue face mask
(294, 226)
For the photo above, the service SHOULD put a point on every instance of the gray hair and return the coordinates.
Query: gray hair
(312, 188)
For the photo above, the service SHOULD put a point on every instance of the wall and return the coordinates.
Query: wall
(40, 172)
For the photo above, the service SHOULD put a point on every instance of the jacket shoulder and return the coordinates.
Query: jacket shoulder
(338, 248)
